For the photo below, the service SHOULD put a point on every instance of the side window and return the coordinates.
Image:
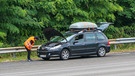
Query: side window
(90, 37)
(79, 38)
(100, 36)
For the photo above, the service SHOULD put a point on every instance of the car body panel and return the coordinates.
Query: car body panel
(50, 32)
(103, 26)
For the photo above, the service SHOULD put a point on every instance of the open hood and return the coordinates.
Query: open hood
(50, 32)
(103, 25)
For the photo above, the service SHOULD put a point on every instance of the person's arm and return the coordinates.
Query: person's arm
(29, 46)
(32, 43)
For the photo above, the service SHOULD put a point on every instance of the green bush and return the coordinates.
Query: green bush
(120, 32)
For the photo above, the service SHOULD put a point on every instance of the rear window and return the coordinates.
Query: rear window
(100, 36)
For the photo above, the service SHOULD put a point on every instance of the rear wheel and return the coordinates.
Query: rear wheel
(64, 55)
(101, 52)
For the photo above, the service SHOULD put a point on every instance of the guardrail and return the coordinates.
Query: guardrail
(13, 50)
(121, 41)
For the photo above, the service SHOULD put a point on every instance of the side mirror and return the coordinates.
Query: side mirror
(75, 42)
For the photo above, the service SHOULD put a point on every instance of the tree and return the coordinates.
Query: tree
(16, 17)
(61, 13)
(126, 17)
(22, 18)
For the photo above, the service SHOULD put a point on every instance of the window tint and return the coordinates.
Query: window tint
(90, 37)
(79, 38)
(100, 36)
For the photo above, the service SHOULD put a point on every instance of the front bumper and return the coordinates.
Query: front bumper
(47, 53)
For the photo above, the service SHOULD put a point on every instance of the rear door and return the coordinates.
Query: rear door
(90, 42)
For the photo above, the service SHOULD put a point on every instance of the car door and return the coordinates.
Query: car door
(90, 43)
(77, 45)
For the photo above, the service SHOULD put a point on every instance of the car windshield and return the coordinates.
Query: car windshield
(68, 37)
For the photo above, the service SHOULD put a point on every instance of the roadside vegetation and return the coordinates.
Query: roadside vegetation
(22, 56)
(20, 19)
(123, 48)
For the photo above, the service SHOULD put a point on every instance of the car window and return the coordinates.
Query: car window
(100, 36)
(79, 38)
(90, 37)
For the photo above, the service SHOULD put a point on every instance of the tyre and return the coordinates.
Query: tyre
(64, 55)
(47, 58)
(101, 52)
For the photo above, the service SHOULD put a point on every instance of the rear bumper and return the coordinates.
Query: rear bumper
(107, 49)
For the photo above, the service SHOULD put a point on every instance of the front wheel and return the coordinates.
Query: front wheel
(101, 52)
(64, 55)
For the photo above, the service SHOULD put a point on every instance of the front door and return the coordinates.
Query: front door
(77, 45)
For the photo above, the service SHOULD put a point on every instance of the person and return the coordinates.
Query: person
(28, 45)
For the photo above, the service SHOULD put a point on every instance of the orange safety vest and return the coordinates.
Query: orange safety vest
(29, 42)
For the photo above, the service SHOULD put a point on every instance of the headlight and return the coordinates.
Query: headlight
(56, 47)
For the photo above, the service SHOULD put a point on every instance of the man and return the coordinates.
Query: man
(28, 45)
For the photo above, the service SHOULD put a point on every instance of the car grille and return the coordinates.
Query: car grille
(42, 53)
(42, 49)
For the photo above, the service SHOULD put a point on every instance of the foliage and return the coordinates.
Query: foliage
(20, 19)
(126, 17)
(122, 32)
(61, 13)
(16, 17)
(99, 10)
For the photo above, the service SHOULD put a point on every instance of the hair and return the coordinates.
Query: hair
(36, 37)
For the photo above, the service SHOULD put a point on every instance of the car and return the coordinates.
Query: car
(79, 41)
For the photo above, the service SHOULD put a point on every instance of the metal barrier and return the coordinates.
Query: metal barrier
(121, 41)
(13, 50)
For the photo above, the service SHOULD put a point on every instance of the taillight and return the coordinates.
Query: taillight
(108, 43)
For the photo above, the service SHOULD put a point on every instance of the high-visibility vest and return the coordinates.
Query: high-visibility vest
(29, 42)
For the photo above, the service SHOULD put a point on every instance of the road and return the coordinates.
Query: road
(114, 64)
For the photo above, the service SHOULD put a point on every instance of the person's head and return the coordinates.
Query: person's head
(36, 37)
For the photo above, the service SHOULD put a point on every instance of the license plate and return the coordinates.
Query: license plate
(42, 55)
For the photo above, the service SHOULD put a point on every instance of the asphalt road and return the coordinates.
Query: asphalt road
(114, 64)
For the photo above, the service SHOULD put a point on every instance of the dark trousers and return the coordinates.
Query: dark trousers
(28, 53)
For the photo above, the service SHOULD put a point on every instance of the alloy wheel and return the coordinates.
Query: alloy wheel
(64, 54)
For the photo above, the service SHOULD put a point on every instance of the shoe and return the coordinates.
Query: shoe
(29, 60)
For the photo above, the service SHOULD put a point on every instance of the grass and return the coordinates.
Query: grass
(22, 56)
(123, 48)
